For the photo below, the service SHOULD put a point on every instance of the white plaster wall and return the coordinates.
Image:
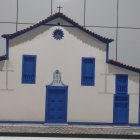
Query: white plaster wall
(85, 104)
(2, 80)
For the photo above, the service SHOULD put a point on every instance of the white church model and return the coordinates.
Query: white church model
(59, 72)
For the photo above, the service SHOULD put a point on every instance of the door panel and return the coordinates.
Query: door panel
(56, 105)
(121, 112)
(121, 100)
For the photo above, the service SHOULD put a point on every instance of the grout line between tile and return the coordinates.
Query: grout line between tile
(117, 30)
(84, 12)
(17, 17)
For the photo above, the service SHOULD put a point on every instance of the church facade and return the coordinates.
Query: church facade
(59, 72)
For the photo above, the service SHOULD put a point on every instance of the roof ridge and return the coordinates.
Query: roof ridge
(52, 17)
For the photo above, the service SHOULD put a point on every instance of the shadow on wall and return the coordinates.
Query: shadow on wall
(134, 79)
(116, 70)
(28, 36)
(2, 63)
(86, 39)
(80, 35)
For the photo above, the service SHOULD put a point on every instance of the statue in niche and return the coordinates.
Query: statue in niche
(57, 79)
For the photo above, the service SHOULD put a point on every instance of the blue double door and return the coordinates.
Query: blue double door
(56, 104)
(121, 100)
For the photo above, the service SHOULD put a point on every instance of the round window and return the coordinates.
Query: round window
(58, 34)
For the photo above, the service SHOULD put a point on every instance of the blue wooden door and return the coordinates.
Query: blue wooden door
(56, 104)
(121, 100)
(121, 109)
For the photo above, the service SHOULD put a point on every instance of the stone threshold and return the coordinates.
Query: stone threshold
(42, 130)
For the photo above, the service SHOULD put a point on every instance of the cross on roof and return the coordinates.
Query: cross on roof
(59, 7)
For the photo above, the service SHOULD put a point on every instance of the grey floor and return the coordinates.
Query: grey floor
(117, 19)
(37, 138)
(70, 129)
(67, 130)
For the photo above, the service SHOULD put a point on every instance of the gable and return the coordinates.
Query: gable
(74, 40)
(51, 18)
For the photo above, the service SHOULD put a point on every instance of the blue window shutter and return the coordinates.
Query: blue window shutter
(121, 84)
(88, 72)
(29, 69)
(121, 100)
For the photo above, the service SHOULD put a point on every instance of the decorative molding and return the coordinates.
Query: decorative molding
(57, 81)
(58, 34)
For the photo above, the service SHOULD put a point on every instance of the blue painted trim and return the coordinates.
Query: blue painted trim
(61, 25)
(116, 101)
(48, 87)
(107, 53)
(85, 82)
(139, 100)
(24, 68)
(114, 109)
(69, 123)
(89, 123)
(98, 123)
(6, 56)
(22, 122)
(7, 49)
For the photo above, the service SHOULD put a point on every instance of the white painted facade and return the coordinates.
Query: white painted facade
(26, 102)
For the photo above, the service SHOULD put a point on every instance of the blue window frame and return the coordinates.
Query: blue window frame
(88, 72)
(56, 104)
(121, 100)
(29, 69)
(121, 84)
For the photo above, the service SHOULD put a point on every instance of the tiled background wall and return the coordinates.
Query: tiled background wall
(117, 19)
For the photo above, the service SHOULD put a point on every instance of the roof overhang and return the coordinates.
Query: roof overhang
(64, 17)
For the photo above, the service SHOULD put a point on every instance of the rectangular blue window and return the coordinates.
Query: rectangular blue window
(88, 72)
(29, 69)
(121, 84)
(121, 100)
